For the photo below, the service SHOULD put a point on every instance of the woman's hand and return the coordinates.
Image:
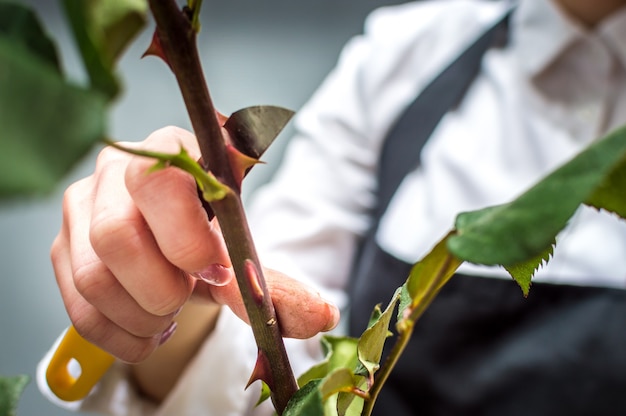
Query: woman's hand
(135, 246)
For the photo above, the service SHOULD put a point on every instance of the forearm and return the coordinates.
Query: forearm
(156, 376)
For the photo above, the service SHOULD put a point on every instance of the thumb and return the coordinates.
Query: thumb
(301, 311)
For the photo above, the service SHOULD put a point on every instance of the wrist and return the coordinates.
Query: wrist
(157, 375)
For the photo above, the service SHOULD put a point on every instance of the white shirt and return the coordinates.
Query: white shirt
(553, 90)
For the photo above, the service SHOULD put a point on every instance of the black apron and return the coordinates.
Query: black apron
(482, 348)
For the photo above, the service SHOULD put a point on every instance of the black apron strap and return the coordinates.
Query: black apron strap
(403, 144)
(402, 147)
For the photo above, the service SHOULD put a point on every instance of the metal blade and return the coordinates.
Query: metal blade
(253, 129)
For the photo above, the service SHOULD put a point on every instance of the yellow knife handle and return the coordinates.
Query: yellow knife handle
(93, 363)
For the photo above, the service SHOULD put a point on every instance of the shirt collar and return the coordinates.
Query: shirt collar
(542, 32)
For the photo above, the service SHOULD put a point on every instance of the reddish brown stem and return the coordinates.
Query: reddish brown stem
(178, 40)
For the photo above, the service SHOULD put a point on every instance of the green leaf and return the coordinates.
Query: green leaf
(103, 29)
(11, 389)
(306, 402)
(349, 404)
(47, 124)
(339, 352)
(526, 227)
(405, 300)
(429, 275)
(525, 271)
(266, 393)
(372, 341)
(610, 194)
(340, 356)
(338, 391)
(374, 316)
(340, 380)
(343, 352)
(21, 27)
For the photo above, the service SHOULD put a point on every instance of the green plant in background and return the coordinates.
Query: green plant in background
(11, 389)
(49, 122)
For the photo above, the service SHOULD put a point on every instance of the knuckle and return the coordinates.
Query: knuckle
(199, 245)
(86, 321)
(89, 282)
(73, 196)
(123, 345)
(111, 231)
(146, 330)
(165, 134)
(171, 137)
(171, 300)
(109, 155)
(187, 253)
(137, 351)
(143, 186)
(69, 193)
(57, 249)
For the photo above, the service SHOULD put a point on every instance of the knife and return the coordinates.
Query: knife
(252, 130)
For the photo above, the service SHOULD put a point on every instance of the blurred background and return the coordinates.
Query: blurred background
(254, 52)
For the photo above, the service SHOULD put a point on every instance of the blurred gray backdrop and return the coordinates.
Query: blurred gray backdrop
(254, 52)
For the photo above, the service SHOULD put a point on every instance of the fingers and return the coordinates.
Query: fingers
(122, 282)
(93, 325)
(193, 244)
(129, 243)
(301, 311)
(180, 225)
(122, 239)
(100, 310)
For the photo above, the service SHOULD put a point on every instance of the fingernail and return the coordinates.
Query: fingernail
(216, 274)
(167, 334)
(334, 320)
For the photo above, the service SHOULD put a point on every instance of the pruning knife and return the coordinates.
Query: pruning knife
(251, 131)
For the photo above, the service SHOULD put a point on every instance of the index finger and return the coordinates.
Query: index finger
(169, 203)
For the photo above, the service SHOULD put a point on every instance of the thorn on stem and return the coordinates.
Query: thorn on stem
(156, 49)
(262, 371)
(254, 283)
(239, 162)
